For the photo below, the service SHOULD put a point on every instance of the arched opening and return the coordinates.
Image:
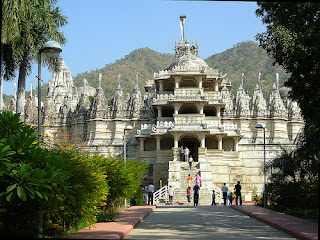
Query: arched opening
(193, 144)
(188, 108)
(167, 111)
(210, 111)
(188, 83)
(211, 142)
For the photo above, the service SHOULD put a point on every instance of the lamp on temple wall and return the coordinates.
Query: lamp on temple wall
(259, 126)
(52, 49)
(127, 128)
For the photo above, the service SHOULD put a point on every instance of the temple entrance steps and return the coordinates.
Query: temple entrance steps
(180, 197)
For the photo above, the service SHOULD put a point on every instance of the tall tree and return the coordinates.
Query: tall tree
(293, 40)
(27, 25)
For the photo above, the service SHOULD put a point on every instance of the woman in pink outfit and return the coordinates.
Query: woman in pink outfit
(198, 179)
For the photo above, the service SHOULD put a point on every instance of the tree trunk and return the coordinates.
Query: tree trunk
(22, 86)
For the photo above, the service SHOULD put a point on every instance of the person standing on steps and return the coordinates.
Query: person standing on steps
(181, 154)
(196, 189)
(224, 190)
(190, 162)
(237, 189)
(186, 154)
(198, 179)
(150, 190)
(213, 198)
(189, 195)
(189, 180)
(171, 194)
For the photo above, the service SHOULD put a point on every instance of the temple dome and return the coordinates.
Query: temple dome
(188, 60)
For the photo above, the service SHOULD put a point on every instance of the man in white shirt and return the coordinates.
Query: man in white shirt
(224, 190)
(150, 190)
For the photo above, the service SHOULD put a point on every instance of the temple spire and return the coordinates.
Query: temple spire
(182, 20)
(137, 80)
(277, 79)
(31, 89)
(259, 79)
(119, 82)
(100, 77)
(242, 79)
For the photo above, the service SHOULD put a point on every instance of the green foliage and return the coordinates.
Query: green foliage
(293, 40)
(123, 180)
(294, 181)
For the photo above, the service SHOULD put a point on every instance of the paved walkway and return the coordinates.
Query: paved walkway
(202, 222)
(118, 229)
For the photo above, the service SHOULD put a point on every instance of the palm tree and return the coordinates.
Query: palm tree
(27, 25)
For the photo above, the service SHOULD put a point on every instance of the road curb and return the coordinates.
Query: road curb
(128, 229)
(275, 224)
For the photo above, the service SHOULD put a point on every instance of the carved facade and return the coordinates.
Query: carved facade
(187, 104)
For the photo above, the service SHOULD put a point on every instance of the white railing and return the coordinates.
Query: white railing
(161, 192)
(219, 195)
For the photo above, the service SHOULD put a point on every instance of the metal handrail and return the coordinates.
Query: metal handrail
(219, 195)
(161, 192)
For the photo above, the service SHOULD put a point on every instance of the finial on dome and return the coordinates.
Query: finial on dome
(186, 42)
(277, 79)
(259, 78)
(31, 89)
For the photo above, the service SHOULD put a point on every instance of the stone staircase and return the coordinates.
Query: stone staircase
(180, 197)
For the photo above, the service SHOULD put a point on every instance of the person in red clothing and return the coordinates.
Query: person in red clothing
(189, 195)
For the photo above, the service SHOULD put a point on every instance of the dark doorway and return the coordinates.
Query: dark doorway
(193, 144)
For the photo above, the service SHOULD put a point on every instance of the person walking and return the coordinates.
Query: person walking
(213, 198)
(189, 180)
(237, 189)
(190, 162)
(196, 189)
(224, 190)
(189, 195)
(186, 154)
(171, 194)
(181, 153)
(150, 190)
(198, 179)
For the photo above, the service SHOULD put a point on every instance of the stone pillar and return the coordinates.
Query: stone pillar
(160, 86)
(159, 111)
(141, 144)
(176, 108)
(218, 111)
(158, 138)
(219, 142)
(236, 143)
(216, 86)
(177, 80)
(203, 141)
(176, 140)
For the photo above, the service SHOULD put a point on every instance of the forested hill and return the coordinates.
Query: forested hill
(245, 57)
(248, 58)
(144, 61)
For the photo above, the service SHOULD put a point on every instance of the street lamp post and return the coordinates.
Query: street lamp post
(52, 49)
(127, 128)
(259, 126)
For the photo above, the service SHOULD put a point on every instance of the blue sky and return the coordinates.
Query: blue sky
(100, 32)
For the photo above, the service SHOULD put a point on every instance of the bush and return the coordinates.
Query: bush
(59, 190)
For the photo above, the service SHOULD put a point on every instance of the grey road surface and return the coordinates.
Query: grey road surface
(203, 222)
